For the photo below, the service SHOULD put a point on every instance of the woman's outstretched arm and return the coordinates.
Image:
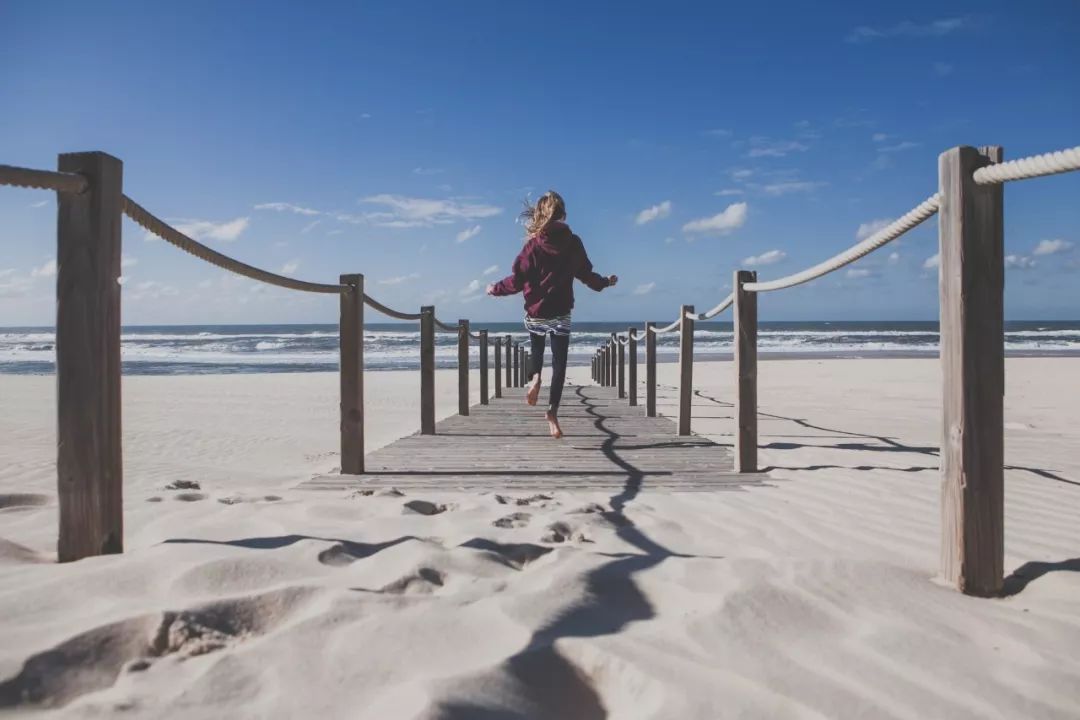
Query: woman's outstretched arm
(586, 274)
(513, 283)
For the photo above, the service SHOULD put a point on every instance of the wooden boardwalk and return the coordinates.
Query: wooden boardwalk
(505, 445)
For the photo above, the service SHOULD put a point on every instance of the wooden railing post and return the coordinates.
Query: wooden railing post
(517, 365)
(605, 361)
(632, 344)
(971, 285)
(686, 368)
(509, 363)
(613, 359)
(622, 368)
(498, 368)
(351, 334)
(89, 459)
(746, 373)
(427, 370)
(463, 367)
(650, 370)
(483, 367)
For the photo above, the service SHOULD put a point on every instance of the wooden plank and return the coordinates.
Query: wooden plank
(621, 362)
(463, 366)
(483, 366)
(351, 334)
(89, 459)
(498, 368)
(632, 344)
(650, 370)
(971, 222)
(745, 373)
(427, 369)
(686, 369)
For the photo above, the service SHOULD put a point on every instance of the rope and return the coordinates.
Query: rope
(174, 237)
(669, 328)
(623, 340)
(1035, 166)
(389, 312)
(724, 305)
(42, 179)
(443, 326)
(887, 234)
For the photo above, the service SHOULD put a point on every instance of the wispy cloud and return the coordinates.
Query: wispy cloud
(1052, 247)
(1019, 262)
(403, 212)
(879, 137)
(399, 279)
(732, 218)
(766, 147)
(936, 28)
(656, 212)
(40, 203)
(783, 188)
(728, 192)
(717, 132)
(471, 288)
(287, 207)
(46, 270)
(226, 231)
(290, 267)
(932, 262)
(428, 171)
(644, 288)
(14, 285)
(127, 261)
(149, 290)
(310, 226)
(867, 229)
(898, 147)
(770, 257)
(491, 270)
(468, 233)
(894, 257)
(858, 273)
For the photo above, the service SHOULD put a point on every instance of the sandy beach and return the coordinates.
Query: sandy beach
(811, 596)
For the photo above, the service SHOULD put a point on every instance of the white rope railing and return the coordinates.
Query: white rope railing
(710, 314)
(666, 328)
(42, 179)
(390, 312)
(893, 230)
(1050, 163)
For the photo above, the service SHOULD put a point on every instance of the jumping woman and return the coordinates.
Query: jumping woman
(544, 272)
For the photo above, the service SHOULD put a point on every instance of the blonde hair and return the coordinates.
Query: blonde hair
(548, 209)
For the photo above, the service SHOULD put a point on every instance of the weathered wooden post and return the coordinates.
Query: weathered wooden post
(632, 343)
(427, 370)
(89, 459)
(351, 334)
(686, 368)
(746, 373)
(517, 365)
(622, 368)
(526, 365)
(972, 275)
(463, 367)
(605, 361)
(483, 367)
(498, 368)
(613, 359)
(509, 364)
(650, 370)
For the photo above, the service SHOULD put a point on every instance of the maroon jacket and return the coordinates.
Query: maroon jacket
(545, 269)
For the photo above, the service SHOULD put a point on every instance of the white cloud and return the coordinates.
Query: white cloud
(400, 279)
(932, 262)
(879, 137)
(764, 147)
(783, 188)
(942, 69)
(858, 273)
(365, 116)
(473, 287)
(936, 28)
(491, 270)
(427, 171)
(405, 211)
(766, 258)
(468, 233)
(226, 231)
(867, 229)
(644, 288)
(1019, 262)
(127, 261)
(899, 147)
(728, 192)
(40, 203)
(287, 207)
(1050, 247)
(46, 270)
(655, 212)
(290, 267)
(717, 132)
(669, 240)
(894, 258)
(740, 174)
(732, 218)
(310, 226)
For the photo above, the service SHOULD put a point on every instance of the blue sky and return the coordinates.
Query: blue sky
(398, 140)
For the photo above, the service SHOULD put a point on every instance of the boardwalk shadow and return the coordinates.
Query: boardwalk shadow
(1031, 571)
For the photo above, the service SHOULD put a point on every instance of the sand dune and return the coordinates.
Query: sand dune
(811, 596)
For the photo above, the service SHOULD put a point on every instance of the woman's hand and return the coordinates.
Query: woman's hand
(612, 280)
(490, 289)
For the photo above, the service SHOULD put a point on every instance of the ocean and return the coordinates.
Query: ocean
(200, 349)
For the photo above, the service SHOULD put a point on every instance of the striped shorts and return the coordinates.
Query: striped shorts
(553, 326)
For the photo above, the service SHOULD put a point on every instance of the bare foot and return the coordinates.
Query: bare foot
(553, 425)
(534, 390)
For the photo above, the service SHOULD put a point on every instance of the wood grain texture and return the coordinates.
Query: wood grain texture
(351, 371)
(463, 367)
(89, 458)
(508, 344)
(483, 366)
(632, 360)
(498, 367)
(686, 369)
(745, 315)
(505, 445)
(971, 222)
(517, 366)
(427, 369)
(650, 370)
(621, 363)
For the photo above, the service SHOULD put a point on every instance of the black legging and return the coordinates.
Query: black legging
(560, 348)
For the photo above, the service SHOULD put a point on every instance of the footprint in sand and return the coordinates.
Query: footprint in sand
(513, 520)
(423, 507)
(515, 555)
(385, 492)
(22, 500)
(184, 485)
(539, 500)
(559, 532)
(189, 497)
(424, 581)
